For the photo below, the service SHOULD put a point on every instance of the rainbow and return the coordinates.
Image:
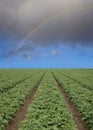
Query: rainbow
(42, 24)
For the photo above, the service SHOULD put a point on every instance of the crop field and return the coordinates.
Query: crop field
(46, 99)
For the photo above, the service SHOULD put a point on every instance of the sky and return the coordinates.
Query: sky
(46, 34)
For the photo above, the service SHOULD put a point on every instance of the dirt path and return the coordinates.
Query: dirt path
(81, 125)
(21, 114)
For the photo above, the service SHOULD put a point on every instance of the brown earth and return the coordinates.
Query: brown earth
(21, 113)
(77, 117)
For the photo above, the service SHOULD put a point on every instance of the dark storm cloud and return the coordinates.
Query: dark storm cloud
(19, 17)
(72, 29)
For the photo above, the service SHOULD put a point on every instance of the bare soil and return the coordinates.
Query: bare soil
(21, 113)
(77, 117)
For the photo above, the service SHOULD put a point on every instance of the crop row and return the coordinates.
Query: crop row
(82, 97)
(11, 100)
(48, 111)
(7, 74)
(84, 80)
(17, 78)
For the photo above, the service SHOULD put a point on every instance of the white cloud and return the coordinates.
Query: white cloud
(55, 52)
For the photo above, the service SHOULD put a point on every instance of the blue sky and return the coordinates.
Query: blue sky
(61, 56)
(34, 36)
